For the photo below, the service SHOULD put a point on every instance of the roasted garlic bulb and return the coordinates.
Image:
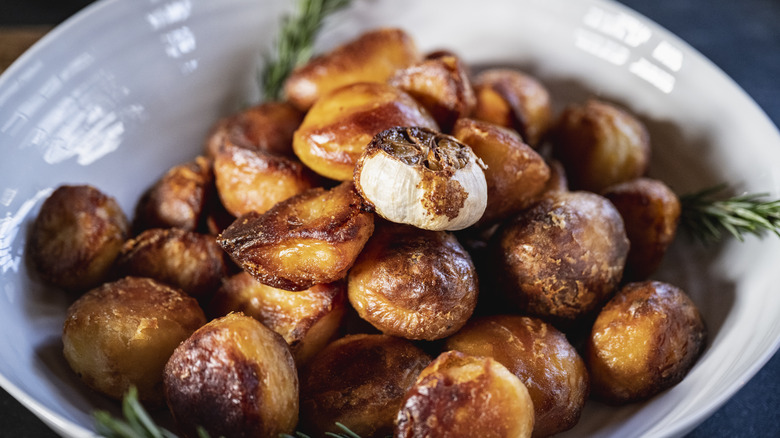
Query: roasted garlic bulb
(423, 178)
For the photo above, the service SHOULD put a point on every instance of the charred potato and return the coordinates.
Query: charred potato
(541, 357)
(600, 144)
(76, 237)
(190, 261)
(372, 57)
(309, 239)
(338, 127)
(235, 378)
(515, 100)
(359, 381)
(651, 212)
(122, 333)
(459, 395)
(561, 258)
(413, 283)
(644, 341)
(307, 320)
(515, 173)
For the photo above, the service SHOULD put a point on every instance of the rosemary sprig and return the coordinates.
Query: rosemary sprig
(709, 214)
(295, 43)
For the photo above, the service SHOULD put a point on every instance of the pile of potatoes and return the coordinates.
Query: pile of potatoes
(259, 289)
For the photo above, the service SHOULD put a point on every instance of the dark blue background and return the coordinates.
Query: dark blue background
(741, 36)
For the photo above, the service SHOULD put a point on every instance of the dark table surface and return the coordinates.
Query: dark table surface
(742, 37)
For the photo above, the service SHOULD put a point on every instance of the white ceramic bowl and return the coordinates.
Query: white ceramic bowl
(127, 88)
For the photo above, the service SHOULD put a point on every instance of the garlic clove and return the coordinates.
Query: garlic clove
(424, 178)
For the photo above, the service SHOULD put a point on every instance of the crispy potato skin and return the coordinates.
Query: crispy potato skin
(644, 341)
(184, 259)
(459, 395)
(235, 378)
(372, 57)
(309, 239)
(515, 174)
(338, 127)
(359, 381)
(76, 237)
(515, 100)
(122, 333)
(540, 356)
(651, 212)
(307, 320)
(561, 258)
(600, 144)
(177, 199)
(413, 283)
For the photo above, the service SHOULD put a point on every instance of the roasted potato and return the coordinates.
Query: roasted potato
(644, 341)
(122, 333)
(561, 258)
(372, 57)
(338, 127)
(190, 261)
(441, 85)
(309, 239)
(235, 378)
(459, 395)
(600, 144)
(359, 381)
(515, 100)
(76, 237)
(307, 320)
(651, 212)
(413, 283)
(515, 173)
(540, 356)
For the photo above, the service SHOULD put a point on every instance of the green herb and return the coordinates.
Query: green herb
(345, 433)
(294, 45)
(709, 214)
(136, 424)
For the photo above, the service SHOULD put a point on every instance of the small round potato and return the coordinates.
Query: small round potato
(122, 333)
(561, 258)
(460, 395)
(235, 378)
(644, 341)
(651, 212)
(600, 144)
(76, 237)
(413, 283)
(359, 381)
(540, 356)
(307, 320)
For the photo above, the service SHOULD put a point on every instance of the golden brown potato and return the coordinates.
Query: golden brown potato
(307, 320)
(441, 85)
(413, 283)
(600, 144)
(309, 239)
(651, 212)
(338, 127)
(235, 378)
(122, 333)
(190, 261)
(76, 237)
(558, 181)
(514, 100)
(515, 174)
(644, 341)
(372, 57)
(359, 381)
(255, 180)
(266, 127)
(561, 258)
(540, 356)
(459, 395)
(178, 199)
